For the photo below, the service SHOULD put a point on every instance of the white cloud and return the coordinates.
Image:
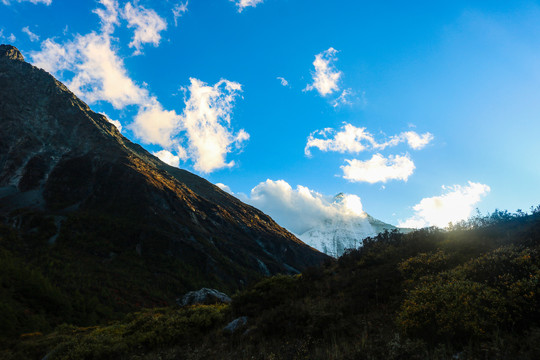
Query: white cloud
(179, 10)
(326, 76)
(154, 125)
(379, 169)
(415, 140)
(300, 209)
(114, 122)
(96, 73)
(147, 23)
(207, 121)
(11, 38)
(182, 153)
(46, 2)
(242, 4)
(224, 188)
(52, 57)
(108, 15)
(456, 204)
(117, 124)
(99, 73)
(343, 99)
(33, 37)
(352, 139)
(204, 126)
(283, 81)
(168, 157)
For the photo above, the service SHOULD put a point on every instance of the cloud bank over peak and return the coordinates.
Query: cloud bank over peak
(299, 209)
(456, 204)
(325, 76)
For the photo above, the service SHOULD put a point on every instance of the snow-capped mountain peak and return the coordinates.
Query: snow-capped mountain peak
(334, 235)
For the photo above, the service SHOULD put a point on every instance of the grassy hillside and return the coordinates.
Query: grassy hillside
(469, 292)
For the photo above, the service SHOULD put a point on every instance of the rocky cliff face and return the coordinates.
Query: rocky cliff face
(61, 159)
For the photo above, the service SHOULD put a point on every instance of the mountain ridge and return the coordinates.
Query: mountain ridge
(65, 162)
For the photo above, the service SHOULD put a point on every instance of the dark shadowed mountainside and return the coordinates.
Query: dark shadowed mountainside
(94, 211)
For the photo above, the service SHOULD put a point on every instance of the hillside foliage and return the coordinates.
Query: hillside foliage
(468, 292)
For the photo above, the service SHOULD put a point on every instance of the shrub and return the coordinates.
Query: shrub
(451, 309)
(425, 264)
(143, 332)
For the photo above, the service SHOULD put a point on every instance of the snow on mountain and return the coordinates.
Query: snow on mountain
(334, 235)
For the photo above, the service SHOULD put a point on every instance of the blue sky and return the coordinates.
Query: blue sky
(433, 108)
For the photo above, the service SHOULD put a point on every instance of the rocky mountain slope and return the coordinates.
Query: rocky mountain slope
(96, 194)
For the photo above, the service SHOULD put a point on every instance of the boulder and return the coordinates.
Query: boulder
(204, 296)
(236, 324)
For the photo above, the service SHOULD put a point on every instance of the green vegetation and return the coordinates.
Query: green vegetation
(469, 292)
(87, 276)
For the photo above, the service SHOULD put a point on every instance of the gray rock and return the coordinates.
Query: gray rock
(204, 296)
(236, 324)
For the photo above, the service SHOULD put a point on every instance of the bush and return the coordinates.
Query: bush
(452, 310)
(425, 264)
(143, 332)
(266, 295)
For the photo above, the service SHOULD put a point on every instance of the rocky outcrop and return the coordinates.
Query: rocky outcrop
(236, 324)
(10, 53)
(203, 296)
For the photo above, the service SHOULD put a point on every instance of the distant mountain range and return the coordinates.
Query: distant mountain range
(334, 235)
(100, 201)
